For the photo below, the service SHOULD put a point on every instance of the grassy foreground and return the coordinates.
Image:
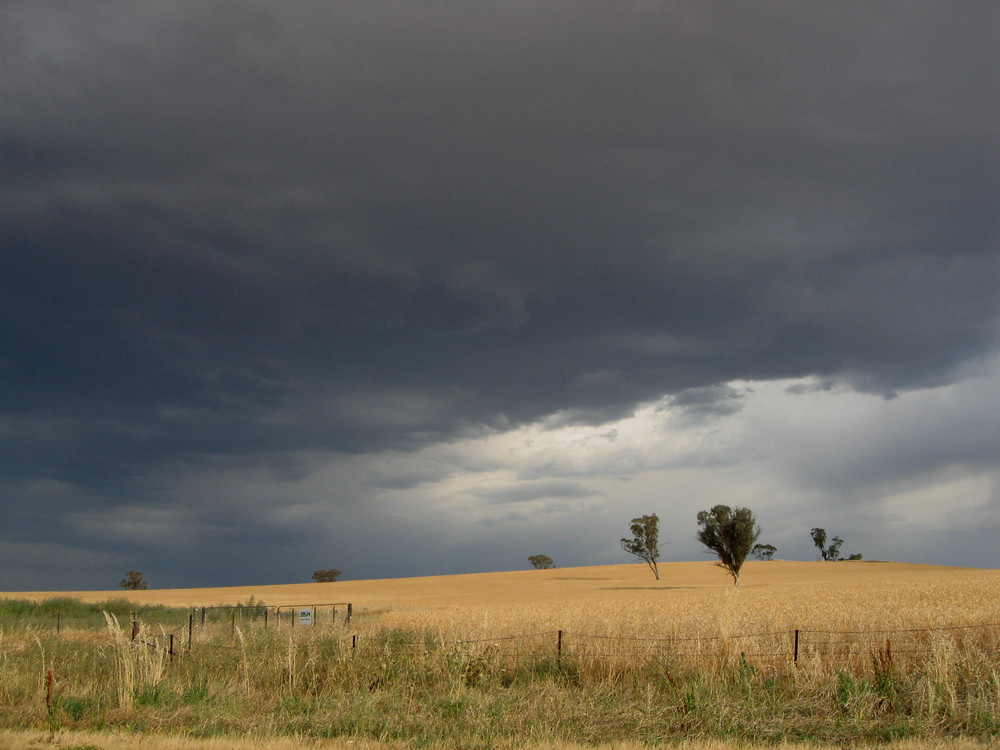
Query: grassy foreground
(116, 741)
(557, 659)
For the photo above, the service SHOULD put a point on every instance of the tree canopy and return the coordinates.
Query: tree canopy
(645, 541)
(134, 581)
(541, 562)
(326, 576)
(763, 551)
(730, 533)
(831, 553)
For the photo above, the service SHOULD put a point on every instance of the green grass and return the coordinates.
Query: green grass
(69, 613)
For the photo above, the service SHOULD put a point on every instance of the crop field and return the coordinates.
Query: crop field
(811, 654)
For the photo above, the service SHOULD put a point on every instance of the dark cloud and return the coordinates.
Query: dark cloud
(707, 402)
(237, 235)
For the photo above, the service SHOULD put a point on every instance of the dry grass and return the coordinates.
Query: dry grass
(119, 741)
(126, 741)
(470, 661)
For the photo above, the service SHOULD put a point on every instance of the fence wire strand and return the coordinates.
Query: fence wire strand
(854, 646)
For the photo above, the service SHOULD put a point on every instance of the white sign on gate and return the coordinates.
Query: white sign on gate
(305, 616)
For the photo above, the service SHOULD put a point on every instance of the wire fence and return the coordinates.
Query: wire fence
(244, 616)
(178, 630)
(854, 649)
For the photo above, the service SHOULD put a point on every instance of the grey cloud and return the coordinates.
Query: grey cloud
(237, 234)
(400, 473)
(523, 492)
(826, 384)
(707, 402)
(904, 442)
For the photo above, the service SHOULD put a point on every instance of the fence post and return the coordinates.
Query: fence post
(266, 610)
(796, 657)
(171, 648)
(203, 617)
(234, 622)
(354, 641)
(190, 629)
(58, 622)
(559, 647)
(350, 611)
(135, 629)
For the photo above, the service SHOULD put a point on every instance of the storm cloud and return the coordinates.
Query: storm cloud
(428, 288)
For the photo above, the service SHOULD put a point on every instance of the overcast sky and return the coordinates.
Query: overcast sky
(412, 288)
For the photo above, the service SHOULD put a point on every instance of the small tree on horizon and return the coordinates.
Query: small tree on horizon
(326, 576)
(763, 551)
(645, 542)
(541, 562)
(133, 581)
(730, 533)
(831, 553)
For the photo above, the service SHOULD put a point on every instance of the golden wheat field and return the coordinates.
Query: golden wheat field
(614, 598)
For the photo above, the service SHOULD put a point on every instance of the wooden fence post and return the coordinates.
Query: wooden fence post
(350, 611)
(796, 658)
(190, 629)
(559, 647)
(135, 629)
(171, 648)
